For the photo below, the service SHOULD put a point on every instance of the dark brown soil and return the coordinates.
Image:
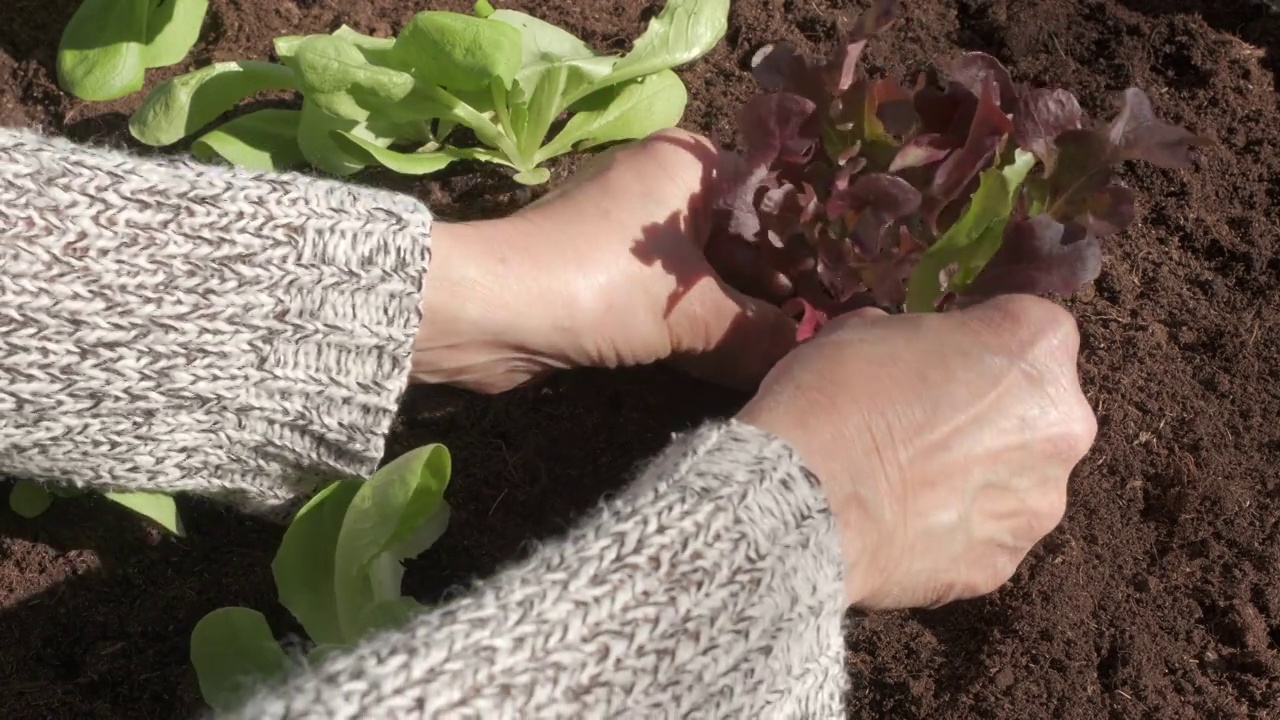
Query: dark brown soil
(1158, 598)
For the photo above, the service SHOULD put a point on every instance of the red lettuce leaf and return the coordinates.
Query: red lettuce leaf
(1042, 115)
(920, 151)
(840, 67)
(1137, 134)
(987, 130)
(810, 319)
(772, 129)
(976, 72)
(1039, 256)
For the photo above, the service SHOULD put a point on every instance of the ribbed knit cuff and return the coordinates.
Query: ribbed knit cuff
(167, 326)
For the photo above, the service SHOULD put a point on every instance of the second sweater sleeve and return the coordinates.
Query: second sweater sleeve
(170, 327)
(711, 587)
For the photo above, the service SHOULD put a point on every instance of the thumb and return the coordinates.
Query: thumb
(729, 338)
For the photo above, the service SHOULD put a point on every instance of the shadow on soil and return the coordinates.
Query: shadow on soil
(1256, 22)
(33, 22)
(105, 635)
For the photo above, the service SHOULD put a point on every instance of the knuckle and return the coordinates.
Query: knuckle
(1053, 508)
(1068, 446)
(851, 322)
(1041, 509)
(681, 145)
(1039, 325)
(1021, 310)
(1071, 429)
(1087, 431)
(1034, 524)
(1004, 567)
(677, 134)
(1079, 430)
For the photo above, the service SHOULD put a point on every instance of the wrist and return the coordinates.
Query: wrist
(804, 438)
(492, 316)
(773, 417)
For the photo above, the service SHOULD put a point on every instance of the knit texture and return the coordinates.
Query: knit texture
(168, 326)
(709, 589)
(171, 327)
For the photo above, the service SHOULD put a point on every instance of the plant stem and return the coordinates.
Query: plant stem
(504, 119)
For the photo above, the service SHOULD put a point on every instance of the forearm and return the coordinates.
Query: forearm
(172, 327)
(711, 588)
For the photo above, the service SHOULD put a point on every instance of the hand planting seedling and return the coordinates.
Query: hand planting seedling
(338, 572)
(507, 77)
(108, 45)
(851, 192)
(30, 500)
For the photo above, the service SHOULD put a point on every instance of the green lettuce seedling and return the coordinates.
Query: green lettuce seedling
(30, 500)
(108, 45)
(338, 571)
(527, 90)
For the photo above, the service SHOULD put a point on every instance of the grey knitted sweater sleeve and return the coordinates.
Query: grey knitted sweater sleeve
(175, 327)
(709, 589)
(181, 327)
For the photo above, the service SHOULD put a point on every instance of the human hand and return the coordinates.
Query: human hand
(943, 442)
(607, 271)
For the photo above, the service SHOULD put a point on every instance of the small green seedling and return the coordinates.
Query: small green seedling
(108, 45)
(338, 571)
(528, 91)
(30, 500)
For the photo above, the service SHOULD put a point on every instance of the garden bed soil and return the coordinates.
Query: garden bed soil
(1158, 597)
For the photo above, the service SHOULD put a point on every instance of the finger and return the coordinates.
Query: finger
(698, 148)
(854, 317)
(1027, 320)
(866, 313)
(689, 162)
(729, 338)
(686, 162)
(593, 168)
(745, 266)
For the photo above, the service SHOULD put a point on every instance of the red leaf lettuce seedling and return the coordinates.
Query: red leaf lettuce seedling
(108, 45)
(852, 192)
(338, 571)
(507, 77)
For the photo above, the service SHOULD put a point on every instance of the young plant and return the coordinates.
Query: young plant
(509, 78)
(30, 500)
(108, 45)
(338, 571)
(853, 192)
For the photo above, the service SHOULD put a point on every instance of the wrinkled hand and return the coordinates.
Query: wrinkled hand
(943, 442)
(607, 271)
